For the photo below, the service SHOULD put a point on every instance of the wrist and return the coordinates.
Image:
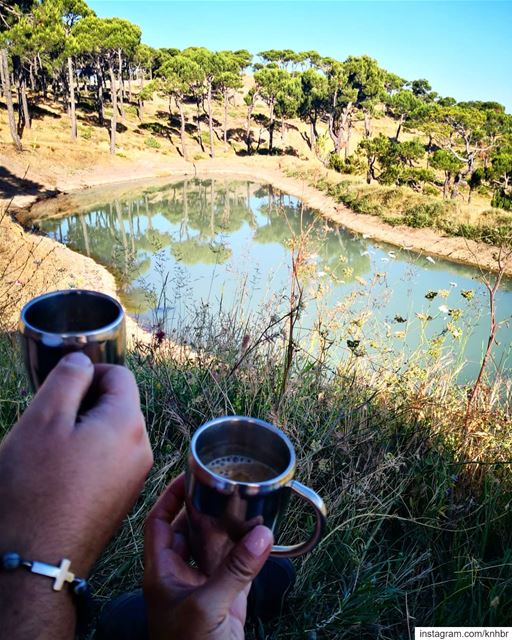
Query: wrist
(31, 608)
(50, 546)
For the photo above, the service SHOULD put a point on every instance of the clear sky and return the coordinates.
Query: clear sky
(463, 48)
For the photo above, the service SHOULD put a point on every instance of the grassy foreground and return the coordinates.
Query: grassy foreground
(419, 532)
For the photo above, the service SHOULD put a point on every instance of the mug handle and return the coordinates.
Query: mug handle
(294, 550)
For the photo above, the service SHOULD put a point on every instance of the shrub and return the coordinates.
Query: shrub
(152, 143)
(502, 199)
(336, 162)
(352, 165)
(429, 190)
(424, 215)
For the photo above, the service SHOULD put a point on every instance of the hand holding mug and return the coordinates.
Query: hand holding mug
(182, 601)
(66, 482)
(68, 479)
(240, 474)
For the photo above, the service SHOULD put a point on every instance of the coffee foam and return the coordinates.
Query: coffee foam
(229, 460)
(241, 468)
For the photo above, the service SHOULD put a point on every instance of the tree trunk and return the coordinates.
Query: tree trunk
(225, 120)
(367, 124)
(210, 120)
(343, 133)
(121, 86)
(4, 73)
(312, 136)
(182, 131)
(370, 174)
(129, 83)
(24, 103)
(455, 187)
(31, 75)
(446, 185)
(471, 165)
(248, 140)
(43, 78)
(113, 121)
(271, 129)
(400, 122)
(347, 142)
(100, 101)
(72, 111)
(331, 125)
(199, 139)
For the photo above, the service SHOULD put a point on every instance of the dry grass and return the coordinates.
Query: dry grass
(419, 518)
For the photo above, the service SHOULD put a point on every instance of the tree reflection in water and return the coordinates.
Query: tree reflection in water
(199, 223)
(204, 241)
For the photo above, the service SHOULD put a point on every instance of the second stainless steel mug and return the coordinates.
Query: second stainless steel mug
(59, 322)
(221, 510)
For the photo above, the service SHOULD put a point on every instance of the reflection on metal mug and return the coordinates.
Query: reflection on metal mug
(223, 503)
(59, 322)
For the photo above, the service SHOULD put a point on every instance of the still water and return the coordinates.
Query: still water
(226, 242)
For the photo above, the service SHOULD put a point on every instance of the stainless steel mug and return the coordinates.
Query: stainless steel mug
(59, 322)
(221, 511)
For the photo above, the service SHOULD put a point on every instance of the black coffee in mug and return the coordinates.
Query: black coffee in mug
(60, 322)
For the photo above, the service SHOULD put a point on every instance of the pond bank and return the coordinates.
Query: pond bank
(272, 170)
(32, 264)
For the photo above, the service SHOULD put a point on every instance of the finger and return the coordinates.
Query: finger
(116, 380)
(170, 569)
(179, 542)
(158, 533)
(116, 396)
(165, 540)
(58, 400)
(238, 570)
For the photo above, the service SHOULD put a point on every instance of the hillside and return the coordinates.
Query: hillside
(51, 161)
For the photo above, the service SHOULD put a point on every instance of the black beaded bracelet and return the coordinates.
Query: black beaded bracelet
(11, 561)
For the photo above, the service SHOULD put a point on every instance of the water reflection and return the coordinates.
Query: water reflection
(198, 238)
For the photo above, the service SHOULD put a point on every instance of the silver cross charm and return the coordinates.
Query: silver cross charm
(61, 574)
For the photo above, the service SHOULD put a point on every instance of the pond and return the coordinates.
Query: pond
(225, 242)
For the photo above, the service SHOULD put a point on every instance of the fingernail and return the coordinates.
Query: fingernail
(258, 540)
(77, 359)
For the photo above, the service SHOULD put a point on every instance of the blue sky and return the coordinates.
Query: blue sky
(463, 48)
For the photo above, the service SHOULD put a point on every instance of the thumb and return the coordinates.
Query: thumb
(59, 398)
(240, 567)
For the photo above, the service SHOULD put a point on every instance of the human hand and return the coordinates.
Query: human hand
(182, 602)
(67, 480)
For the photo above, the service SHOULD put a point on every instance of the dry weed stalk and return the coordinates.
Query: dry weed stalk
(492, 284)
